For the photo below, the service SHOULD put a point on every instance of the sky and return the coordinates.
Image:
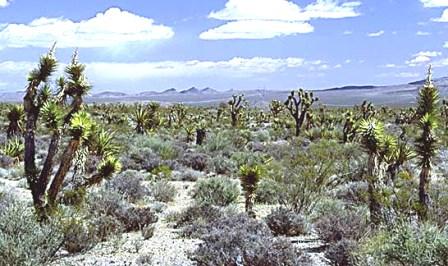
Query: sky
(140, 45)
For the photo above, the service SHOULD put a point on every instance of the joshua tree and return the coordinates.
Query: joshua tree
(276, 108)
(236, 104)
(201, 131)
(299, 104)
(250, 176)
(349, 129)
(15, 116)
(367, 110)
(140, 117)
(61, 119)
(377, 145)
(426, 143)
(445, 112)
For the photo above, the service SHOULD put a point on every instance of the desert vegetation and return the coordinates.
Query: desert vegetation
(294, 183)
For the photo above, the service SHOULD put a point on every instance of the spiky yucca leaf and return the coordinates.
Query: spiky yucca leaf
(52, 115)
(47, 65)
(45, 94)
(16, 113)
(102, 143)
(13, 148)
(372, 134)
(81, 125)
(250, 176)
(426, 144)
(108, 166)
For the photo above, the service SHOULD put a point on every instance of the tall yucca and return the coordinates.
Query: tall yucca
(250, 176)
(426, 143)
(376, 144)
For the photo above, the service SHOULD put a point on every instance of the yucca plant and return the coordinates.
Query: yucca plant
(62, 113)
(426, 143)
(276, 107)
(236, 105)
(13, 148)
(377, 145)
(15, 117)
(250, 176)
(140, 117)
(299, 104)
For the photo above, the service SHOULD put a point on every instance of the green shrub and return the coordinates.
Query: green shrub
(268, 191)
(163, 191)
(405, 244)
(220, 191)
(23, 241)
(285, 222)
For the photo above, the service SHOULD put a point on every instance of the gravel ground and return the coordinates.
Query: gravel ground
(165, 247)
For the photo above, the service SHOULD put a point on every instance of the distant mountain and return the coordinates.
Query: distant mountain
(191, 90)
(169, 91)
(209, 90)
(443, 81)
(108, 94)
(346, 88)
(146, 93)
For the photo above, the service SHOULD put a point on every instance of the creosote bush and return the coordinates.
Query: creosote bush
(220, 191)
(285, 222)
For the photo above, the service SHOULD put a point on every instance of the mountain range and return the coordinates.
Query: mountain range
(396, 95)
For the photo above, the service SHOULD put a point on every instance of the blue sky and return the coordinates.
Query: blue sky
(241, 44)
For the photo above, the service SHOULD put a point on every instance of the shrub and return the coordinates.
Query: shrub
(162, 171)
(268, 191)
(106, 226)
(79, 236)
(134, 218)
(129, 184)
(220, 191)
(341, 229)
(197, 161)
(187, 175)
(282, 221)
(194, 219)
(23, 241)
(405, 244)
(241, 240)
(148, 231)
(221, 165)
(163, 191)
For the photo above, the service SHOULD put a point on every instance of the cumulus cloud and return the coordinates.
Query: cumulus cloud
(376, 34)
(265, 19)
(423, 57)
(235, 67)
(443, 18)
(435, 3)
(423, 33)
(111, 28)
(160, 74)
(4, 3)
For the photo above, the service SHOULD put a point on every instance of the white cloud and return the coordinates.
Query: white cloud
(422, 58)
(423, 33)
(265, 19)
(443, 18)
(376, 34)
(347, 32)
(111, 28)
(4, 3)
(256, 29)
(235, 67)
(407, 75)
(434, 3)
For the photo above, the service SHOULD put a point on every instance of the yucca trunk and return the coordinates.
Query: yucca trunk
(13, 129)
(46, 172)
(200, 136)
(425, 175)
(249, 204)
(374, 204)
(64, 167)
(234, 119)
(31, 172)
(299, 122)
